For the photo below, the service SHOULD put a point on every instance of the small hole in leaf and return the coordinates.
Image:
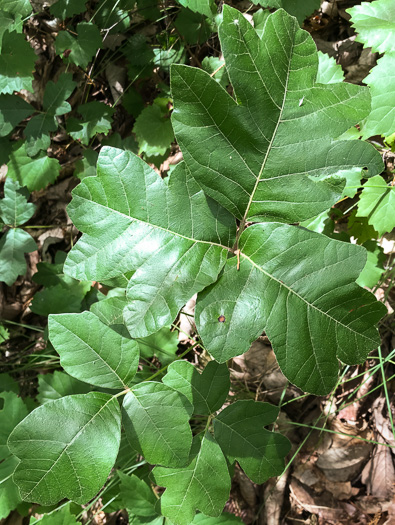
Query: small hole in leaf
(221, 319)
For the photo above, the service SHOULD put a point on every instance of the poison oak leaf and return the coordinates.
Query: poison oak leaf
(66, 448)
(254, 154)
(170, 237)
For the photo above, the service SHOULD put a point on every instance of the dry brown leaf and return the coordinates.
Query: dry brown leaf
(379, 474)
(344, 463)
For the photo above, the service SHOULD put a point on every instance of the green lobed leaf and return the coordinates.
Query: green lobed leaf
(329, 72)
(206, 391)
(16, 63)
(377, 203)
(54, 104)
(57, 385)
(82, 48)
(203, 7)
(68, 445)
(137, 497)
(8, 383)
(381, 80)
(374, 267)
(168, 233)
(295, 285)
(62, 516)
(252, 155)
(66, 8)
(13, 246)
(92, 352)
(193, 27)
(86, 167)
(13, 109)
(12, 412)
(204, 484)
(298, 8)
(374, 24)
(35, 173)
(156, 418)
(10, 23)
(97, 118)
(15, 7)
(239, 431)
(14, 208)
(9, 493)
(153, 131)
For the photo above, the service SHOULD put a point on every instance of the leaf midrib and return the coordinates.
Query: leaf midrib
(132, 219)
(68, 446)
(268, 151)
(95, 352)
(291, 290)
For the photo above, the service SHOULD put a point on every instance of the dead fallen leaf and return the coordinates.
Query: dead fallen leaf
(344, 463)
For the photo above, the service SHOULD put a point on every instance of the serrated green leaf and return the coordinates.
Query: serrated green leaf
(374, 267)
(202, 485)
(12, 412)
(213, 65)
(381, 119)
(62, 294)
(16, 63)
(122, 212)
(66, 8)
(360, 229)
(92, 352)
(329, 72)
(377, 203)
(137, 497)
(153, 131)
(13, 109)
(13, 246)
(57, 385)
(86, 167)
(259, 18)
(9, 22)
(69, 445)
(4, 336)
(252, 155)
(54, 104)
(9, 493)
(97, 118)
(295, 285)
(14, 208)
(62, 516)
(15, 7)
(374, 24)
(8, 383)
(298, 8)
(164, 58)
(203, 7)
(156, 418)
(148, 9)
(206, 391)
(5, 150)
(239, 430)
(193, 27)
(82, 48)
(34, 173)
